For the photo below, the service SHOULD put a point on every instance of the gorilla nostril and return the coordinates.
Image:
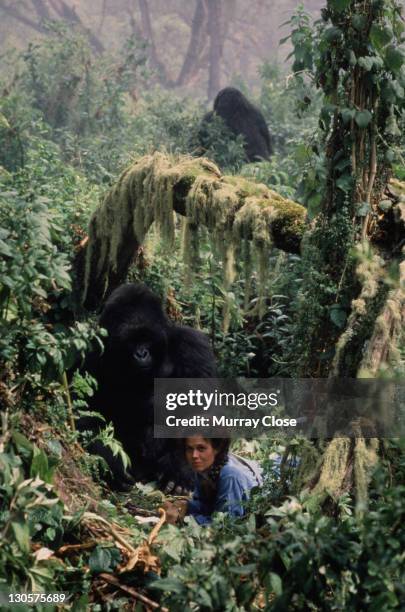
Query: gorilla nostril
(142, 354)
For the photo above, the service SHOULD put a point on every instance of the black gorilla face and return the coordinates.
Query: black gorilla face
(145, 351)
(138, 330)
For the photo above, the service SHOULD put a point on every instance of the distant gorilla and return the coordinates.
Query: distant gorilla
(142, 344)
(242, 117)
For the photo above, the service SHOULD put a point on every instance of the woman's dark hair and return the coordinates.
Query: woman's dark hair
(222, 446)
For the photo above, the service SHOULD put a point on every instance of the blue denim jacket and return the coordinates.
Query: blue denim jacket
(236, 479)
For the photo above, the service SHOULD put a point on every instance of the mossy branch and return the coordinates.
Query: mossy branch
(155, 187)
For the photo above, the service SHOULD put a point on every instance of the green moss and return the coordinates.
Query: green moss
(333, 470)
(365, 460)
(232, 209)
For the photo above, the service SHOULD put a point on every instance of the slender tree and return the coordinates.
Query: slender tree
(351, 312)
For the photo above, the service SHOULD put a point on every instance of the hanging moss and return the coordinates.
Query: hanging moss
(370, 272)
(247, 268)
(365, 460)
(232, 209)
(310, 463)
(383, 348)
(333, 470)
(229, 277)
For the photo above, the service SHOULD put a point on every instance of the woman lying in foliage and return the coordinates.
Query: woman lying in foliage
(222, 481)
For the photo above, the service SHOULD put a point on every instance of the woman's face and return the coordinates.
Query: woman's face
(200, 454)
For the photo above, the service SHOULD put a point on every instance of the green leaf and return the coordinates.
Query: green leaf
(168, 584)
(363, 118)
(55, 447)
(276, 584)
(204, 598)
(339, 5)
(399, 171)
(242, 570)
(366, 62)
(104, 559)
(22, 535)
(5, 249)
(392, 127)
(345, 182)
(352, 58)
(332, 34)
(39, 465)
(22, 442)
(342, 164)
(362, 209)
(397, 89)
(338, 316)
(347, 114)
(380, 36)
(359, 22)
(394, 58)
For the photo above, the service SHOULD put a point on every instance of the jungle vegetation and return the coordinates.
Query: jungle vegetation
(293, 267)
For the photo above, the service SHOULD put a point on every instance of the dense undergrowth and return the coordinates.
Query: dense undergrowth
(68, 125)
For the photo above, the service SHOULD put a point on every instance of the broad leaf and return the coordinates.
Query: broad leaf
(276, 584)
(366, 62)
(363, 118)
(380, 36)
(394, 58)
(338, 316)
(363, 208)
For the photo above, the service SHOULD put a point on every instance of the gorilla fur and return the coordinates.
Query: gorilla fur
(242, 117)
(142, 344)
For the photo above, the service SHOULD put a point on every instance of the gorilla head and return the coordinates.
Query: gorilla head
(137, 328)
(242, 117)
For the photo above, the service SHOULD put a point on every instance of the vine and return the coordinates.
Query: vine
(354, 55)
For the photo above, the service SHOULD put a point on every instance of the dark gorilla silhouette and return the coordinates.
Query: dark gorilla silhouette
(142, 344)
(242, 117)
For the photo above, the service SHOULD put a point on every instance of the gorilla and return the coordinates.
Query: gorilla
(242, 117)
(142, 344)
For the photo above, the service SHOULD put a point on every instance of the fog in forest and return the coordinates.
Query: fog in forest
(194, 47)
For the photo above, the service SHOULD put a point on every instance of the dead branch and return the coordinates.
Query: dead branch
(131, 591)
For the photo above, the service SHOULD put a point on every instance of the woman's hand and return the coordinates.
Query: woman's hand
(175, 511)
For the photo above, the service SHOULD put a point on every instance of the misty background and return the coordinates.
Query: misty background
(194, 47)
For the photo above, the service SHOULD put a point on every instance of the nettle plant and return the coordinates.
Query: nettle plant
(38, 338)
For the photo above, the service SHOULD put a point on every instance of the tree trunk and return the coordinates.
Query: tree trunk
(68, 13)
(148, 36)
(196, 44)
(41, 9)
(22, 17)
(216, 45)
(351, 318)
